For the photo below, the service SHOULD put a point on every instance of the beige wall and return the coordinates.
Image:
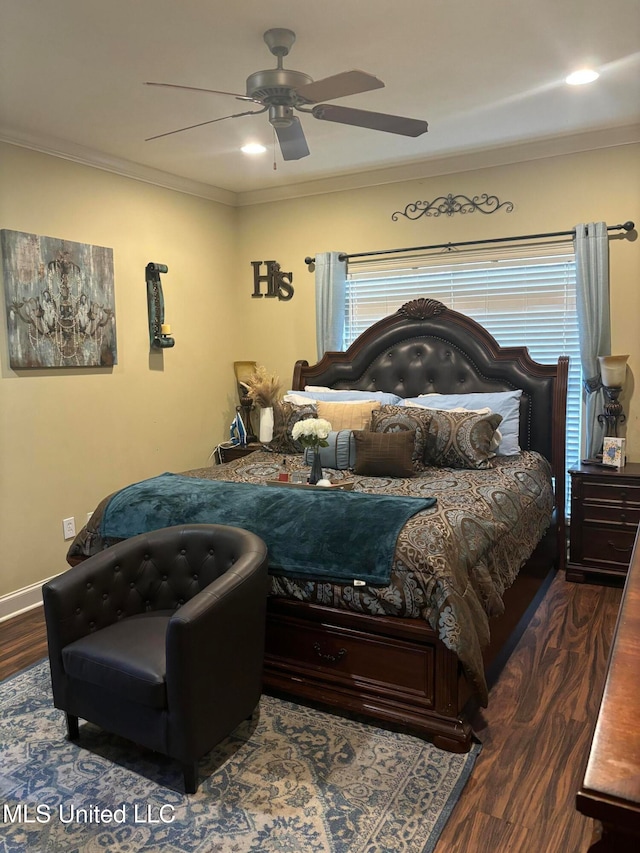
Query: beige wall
(69, 437)
(549, 195)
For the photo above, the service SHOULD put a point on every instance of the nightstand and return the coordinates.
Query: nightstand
(605, 512)
(227, 454)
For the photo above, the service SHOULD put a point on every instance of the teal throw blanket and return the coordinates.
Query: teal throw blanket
(315, 534)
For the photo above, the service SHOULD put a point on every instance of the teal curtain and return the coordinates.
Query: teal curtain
(594, 322)
(331, 279)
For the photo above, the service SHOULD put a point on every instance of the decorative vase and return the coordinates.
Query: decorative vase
(316, 468)
(265, 427)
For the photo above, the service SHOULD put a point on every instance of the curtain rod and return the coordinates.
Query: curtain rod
(625, 226)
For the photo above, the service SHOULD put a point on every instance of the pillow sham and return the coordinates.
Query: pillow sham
(340, 454)
(505, 403)
(384, 454)
(390, 419)
(497, 436)
(347, 415)
(460, 439)
(316, 392)
(285, 415)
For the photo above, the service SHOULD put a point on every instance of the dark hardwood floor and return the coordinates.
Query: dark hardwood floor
(535, 733)
(23, 641)
(537, 730)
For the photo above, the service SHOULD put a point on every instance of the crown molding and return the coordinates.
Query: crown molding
(502, 155)
(89, 157)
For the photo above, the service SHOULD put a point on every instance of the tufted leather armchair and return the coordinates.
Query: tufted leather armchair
(160, 638)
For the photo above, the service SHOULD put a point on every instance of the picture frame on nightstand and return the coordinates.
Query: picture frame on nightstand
(613, 452)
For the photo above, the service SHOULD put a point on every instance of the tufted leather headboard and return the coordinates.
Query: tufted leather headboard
(426, 348)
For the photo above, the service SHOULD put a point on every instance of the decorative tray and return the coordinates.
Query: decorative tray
(339, 485)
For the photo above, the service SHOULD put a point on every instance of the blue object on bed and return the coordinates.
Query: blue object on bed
(323, 535)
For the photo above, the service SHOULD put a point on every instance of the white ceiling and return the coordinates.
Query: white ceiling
(483, 73)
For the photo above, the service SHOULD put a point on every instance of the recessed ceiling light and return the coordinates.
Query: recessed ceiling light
(253, 148)
(585, 75)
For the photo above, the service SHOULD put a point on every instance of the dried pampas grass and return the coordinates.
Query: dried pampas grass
(263, 387)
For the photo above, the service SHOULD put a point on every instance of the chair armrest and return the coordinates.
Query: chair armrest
(215, 646)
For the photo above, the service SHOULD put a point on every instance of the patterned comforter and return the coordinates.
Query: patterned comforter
(453, 562)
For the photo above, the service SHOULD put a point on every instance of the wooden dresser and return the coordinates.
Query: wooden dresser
(605, 512)
(610, 791)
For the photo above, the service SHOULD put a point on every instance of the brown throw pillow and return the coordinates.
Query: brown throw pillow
(461, 439)
(285, 415)
(405, 419)
(384, 454)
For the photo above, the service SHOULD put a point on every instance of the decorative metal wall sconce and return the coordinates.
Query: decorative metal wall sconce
(613, 369)
(447, 205)
(243, 370)
(159, 331)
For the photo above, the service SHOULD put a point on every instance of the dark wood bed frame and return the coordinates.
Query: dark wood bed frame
(396, 671)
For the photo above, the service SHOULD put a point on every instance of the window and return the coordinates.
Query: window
(522, 297)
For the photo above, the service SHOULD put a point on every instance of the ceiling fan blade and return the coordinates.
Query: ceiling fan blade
(198, 89)
(202, 123)
(373, 121)
(338, 86)
(292, 140)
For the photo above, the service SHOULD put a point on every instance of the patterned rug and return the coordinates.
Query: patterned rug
(291, 779)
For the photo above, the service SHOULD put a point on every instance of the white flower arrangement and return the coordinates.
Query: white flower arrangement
(311, 432)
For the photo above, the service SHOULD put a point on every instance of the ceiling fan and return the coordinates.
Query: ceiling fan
(279, 91)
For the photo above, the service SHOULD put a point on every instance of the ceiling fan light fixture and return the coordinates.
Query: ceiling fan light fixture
(582, 76)
(280, 116)
(253, 148)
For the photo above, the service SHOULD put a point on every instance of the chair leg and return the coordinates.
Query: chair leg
(73, 732)
(190, 772)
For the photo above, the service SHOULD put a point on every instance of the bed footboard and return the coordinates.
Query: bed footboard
(389, 670)
(392, 670)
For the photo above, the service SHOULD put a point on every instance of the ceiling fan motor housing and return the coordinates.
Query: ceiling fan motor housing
(276, 86)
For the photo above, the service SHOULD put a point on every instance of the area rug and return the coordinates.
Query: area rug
(291, 779)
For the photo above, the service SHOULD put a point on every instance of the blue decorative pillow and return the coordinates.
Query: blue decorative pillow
(340, 454)
(505, 403)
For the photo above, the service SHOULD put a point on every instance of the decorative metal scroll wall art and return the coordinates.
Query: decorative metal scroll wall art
(447, 205)
(60, 302)
(159, 331)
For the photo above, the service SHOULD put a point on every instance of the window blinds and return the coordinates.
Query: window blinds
(521, 297)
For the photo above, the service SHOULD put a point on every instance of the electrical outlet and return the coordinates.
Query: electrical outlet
(69, 527)
(89, 514)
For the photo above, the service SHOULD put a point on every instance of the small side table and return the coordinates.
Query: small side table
(227, 454)
(605, 513)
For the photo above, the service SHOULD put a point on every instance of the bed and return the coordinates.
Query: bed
(420, 652)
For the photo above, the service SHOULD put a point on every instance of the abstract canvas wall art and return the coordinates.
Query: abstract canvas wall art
(59, 302)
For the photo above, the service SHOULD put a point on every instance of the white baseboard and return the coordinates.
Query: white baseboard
(21, 600)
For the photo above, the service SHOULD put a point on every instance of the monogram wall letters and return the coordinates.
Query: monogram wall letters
(278, 282)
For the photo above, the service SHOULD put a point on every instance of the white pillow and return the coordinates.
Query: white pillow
(347, 395)
(299, 400)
